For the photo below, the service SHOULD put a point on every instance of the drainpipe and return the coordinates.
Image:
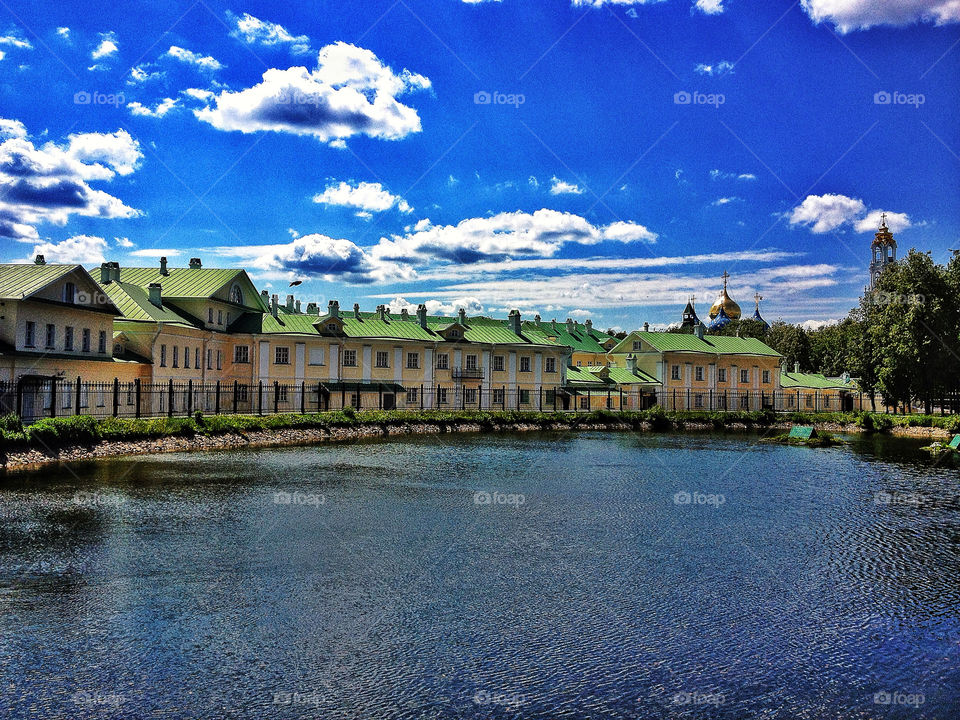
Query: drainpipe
(153, 348)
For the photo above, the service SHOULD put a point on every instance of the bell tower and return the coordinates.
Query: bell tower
(883, 251)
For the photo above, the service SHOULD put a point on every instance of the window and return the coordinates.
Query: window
(745, 402)
(29, 333)
(316, 356)
(790, 400)
(498, 396)
(826, 401)
(209, 359)
(470, 396)
(236, 295)
(219, 360)
(584, 403)
(698, 400)
(69, 292)
(766, 376)
(242, 393)
(163, 356)
(579, 363)
(85, 340)
(454, 333)
(551, 397)
(349, 358)
(241, 354)
(550, 365)
(412, 396)
(498, 363)
(443, 361)
(442, 396)
(722, 375)
(186, 357)
(809, 401)
(282, 393)
(332, 327)
(413, 361)
(51, 335)
(355, 400)
(281, 356)
(524, 397)
(219, 317)
(471, 362)
(209, 315)
(744, 376)
(524, 364)
(698, 373)
(68, 337)
(637, 345)
(383, 359)
(196, 358)
(102, 342)
(176, 356)
(674, 372)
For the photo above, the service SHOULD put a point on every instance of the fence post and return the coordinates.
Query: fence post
(216, 401)
(236, 395)
(303, 397)
(170, 398)
(136, 389)
(116, 396)
(276, 396)
(421, 396)
(76, 408)
(260, 397)
(20, 398)
(53, 397)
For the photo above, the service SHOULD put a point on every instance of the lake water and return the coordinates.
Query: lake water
(538, 576)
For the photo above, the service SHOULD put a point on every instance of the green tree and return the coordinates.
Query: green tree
(792, 342)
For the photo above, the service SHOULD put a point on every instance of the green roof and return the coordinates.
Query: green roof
(580, 340)
(592, 376)
(134, 303)
(18, 280)
(816, 381)
(184, 283)
(682, 342)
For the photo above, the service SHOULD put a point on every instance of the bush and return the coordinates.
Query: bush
(57, 432)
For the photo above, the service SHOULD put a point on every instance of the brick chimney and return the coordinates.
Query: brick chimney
(156, 294)
(422, 315)
(274, 305)
(588, 323)
(462, 316)
(382, 312)
(163, 266)
(632, 363)
(514, 318)
(296, 305)
(312, 308)
(571, 326)
(333, 308)
(404, 314)
(289, 303)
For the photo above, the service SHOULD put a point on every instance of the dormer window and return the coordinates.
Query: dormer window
(236, 295)
(454, 333)
(69, 292)
(332, 327)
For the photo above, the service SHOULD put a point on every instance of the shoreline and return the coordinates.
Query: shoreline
(26, 460)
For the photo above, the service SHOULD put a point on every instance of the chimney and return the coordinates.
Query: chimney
(536, 319)
(333, 308)
(422, 315)
(39, 260)
(312, 308)
(289, 303)
(266, 297)
(105, 273)
(274, 305)
(195, 263)
(632, 363)
(462, 316)
(588, 323)
(382, 312)
(156, 295)
(646, 327)
(163, 266)
(698, 330)
(514, 318)
(356, 310)
(796, 367)
(404, 314)
(570, 326)
(296, 305)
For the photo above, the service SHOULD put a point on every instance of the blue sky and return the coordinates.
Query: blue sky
(570, 157)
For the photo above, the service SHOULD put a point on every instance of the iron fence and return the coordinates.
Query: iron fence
(32, 400)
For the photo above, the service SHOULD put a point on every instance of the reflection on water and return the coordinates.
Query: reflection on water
(583, 576)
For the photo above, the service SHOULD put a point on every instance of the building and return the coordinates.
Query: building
(601, 387)
(883, 251)
(590, 347)
(815, 392)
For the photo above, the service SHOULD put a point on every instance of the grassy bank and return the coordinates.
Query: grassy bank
(84, 430)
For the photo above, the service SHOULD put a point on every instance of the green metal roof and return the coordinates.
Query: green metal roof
(134, 303)
(186, 282)
(682, 342)
(580, 340)
(18, 280)
(816, 381)
(592, 376)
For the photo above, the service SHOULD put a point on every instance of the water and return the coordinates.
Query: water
(795, 583)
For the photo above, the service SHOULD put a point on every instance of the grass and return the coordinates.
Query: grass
(85, 430)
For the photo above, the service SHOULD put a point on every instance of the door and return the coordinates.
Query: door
(389, 401)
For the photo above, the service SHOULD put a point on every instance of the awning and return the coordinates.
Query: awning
(361, 387)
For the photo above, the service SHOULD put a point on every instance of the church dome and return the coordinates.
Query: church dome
(726, 303)
(720, 320)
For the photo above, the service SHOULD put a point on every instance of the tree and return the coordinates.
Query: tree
(745, 328)
(792, 342)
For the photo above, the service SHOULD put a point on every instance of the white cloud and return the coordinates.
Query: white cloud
(471, 305)
(365, 196)
(255, 31)
(561, 187)
(199, 94)
(143, 73)
(579, 313)
(204, 62)
(724, 67)
(478, 2)
(64, 32)
(50, 183)
(15, 41)
(823, 213)
(871, 221)
(106, 47)
(82, 249)
(628, 232)
(850, 15)
(2, 54)
(533, 182)
(601, 3)
(817, 324)
(350, 92)
(155, 253)
(709, 7)
(746, 176)
(725, 201)
(721, 175)
(123, 242)
(157, 111)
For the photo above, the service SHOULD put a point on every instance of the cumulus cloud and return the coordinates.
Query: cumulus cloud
(366, 197)
(155, 253)
(817, 324)
(157, 111)
(709, 7)
(123, 242)
(471, 305)
(561, 187)
(850, 15)
(64, 32)
(107, 47)
(82, 249)
(725, 201)
(50, 183)
(204, 62)
(350, 92)
(15, 41)
(824, 213)
(724, 67)
(255, 31)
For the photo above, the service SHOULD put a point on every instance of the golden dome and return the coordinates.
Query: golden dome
(730, 308)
